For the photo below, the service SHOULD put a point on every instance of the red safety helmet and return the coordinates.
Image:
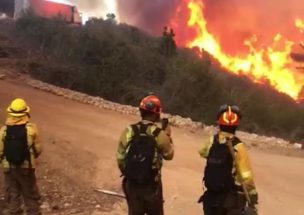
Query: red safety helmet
(229, 115)
(151, 103)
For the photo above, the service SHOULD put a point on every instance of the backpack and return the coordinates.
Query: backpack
(16, 149)
(219, 174)
(140, 155)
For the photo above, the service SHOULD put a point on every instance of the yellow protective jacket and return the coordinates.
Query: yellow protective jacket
(242, 162)
(32, 140)
(164, 145)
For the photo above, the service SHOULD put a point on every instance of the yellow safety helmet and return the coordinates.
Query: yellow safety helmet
(18, 108)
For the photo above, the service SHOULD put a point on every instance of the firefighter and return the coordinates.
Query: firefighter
(165, 41)
(228, 176)
(142, 148)
(165, 32)
(19, 148)
(172, 43)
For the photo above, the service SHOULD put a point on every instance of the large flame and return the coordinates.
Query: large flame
(269, 64)
(300, 24)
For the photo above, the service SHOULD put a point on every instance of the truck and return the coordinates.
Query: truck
(49, 9)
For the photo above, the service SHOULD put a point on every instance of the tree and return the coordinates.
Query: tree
(111, 17)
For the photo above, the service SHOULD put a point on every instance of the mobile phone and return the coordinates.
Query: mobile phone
(165, 123)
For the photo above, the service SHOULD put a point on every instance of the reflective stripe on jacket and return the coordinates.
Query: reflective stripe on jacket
(242, 160)
(164, 145)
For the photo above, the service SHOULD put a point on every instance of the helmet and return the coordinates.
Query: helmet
(229, 115)
(18, 108)
(151, 103)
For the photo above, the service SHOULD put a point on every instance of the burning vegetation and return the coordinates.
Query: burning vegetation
(268, 63)
(251, 38)
(241, 35)
(120, 63)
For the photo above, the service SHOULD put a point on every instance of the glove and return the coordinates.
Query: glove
(164, 122)
(253, 195)
(166, 126)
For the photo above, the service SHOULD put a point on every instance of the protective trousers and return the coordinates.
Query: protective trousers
(226, 203)
(144, 199)
(21, 185)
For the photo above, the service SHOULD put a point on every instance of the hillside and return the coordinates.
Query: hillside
(80, 141)
(121, 63)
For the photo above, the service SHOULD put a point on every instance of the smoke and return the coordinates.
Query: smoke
(238, 20)
(90, 5)
(94, 8)
(148, 15)
(233, 20)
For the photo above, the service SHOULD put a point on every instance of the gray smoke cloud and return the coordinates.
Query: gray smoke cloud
(240, 19)
(88, 4)
(150, 15)
(94, 8)
(228, 19)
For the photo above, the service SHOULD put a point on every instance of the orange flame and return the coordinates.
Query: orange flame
(271, 64)
(299, 24)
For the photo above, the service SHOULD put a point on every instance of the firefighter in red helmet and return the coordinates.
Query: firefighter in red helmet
(141, 150)
(228, 175)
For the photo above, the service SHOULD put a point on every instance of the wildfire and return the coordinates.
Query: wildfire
(269, 64)
(300, 24)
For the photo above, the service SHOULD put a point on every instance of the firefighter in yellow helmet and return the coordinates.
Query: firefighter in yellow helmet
(228, 175)
(19, 148)
(142, 148)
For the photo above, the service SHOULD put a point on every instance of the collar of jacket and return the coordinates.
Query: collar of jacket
(223, 136)
(17, 120)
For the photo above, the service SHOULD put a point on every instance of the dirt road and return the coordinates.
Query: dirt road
(80, 143)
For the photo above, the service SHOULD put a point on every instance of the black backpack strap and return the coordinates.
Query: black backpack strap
(235, 141)
(29, 147)
(156, 132)
(216, 138)
(136, 132)
(135, 129)
(141, 128)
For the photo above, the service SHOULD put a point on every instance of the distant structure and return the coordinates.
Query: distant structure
(7, 8)
(48, 9)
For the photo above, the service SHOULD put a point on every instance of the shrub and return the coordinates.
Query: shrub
(121, 63)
